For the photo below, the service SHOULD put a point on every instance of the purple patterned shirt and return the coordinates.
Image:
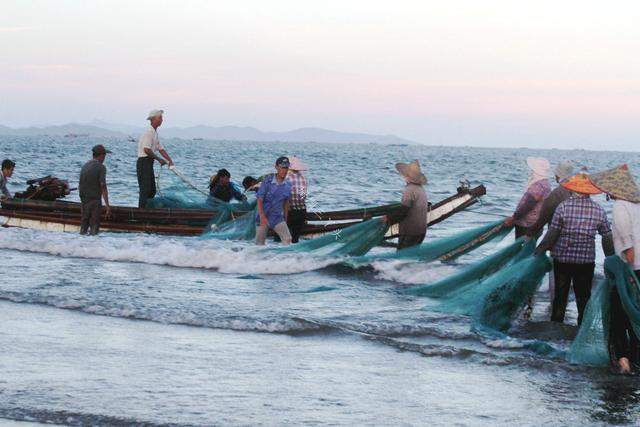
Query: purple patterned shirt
(528, 210)
(578, 219)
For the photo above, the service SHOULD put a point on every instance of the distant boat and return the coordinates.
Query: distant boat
(131, 139)
(75, 135)
(197, 139)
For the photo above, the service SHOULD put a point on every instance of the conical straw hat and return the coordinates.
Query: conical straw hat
(296, 164)
(580, 184)
(617, 182)
(412, 172)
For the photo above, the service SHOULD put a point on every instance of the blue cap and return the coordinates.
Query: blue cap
(283, 162)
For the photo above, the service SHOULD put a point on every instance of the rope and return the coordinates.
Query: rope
(186, 180)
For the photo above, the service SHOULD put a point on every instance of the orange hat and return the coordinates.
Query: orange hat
(580, 183)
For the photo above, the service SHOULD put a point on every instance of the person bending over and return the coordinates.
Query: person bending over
(221, 187)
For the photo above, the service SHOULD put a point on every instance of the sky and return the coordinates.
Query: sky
(562, 74)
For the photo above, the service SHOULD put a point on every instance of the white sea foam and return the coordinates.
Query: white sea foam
(412, 273)
(225, 257)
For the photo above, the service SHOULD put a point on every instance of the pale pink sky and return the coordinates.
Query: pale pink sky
(489, 72)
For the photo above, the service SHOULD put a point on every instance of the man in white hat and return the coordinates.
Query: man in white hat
(413, 225)
(148, 146)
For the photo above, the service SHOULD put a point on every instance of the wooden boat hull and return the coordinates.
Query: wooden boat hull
(65, 216)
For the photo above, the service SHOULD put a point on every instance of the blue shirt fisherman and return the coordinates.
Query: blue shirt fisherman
(273, 204)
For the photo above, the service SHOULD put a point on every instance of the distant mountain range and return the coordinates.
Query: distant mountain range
(222, 133)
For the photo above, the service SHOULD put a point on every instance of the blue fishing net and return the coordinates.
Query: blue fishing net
(175, 191)
(241, 227)
(470, 274)
(591, 344)
(494, 301)
(354, 240)
(590, 347)
(446, 248)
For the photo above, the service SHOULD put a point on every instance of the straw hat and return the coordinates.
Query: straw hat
(617, 182)
(540, 166)
(564, 170)
(297, 165)
(411, 171)
(580, 183)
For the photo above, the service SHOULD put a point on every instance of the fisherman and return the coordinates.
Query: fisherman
(249, 183)
(414, 206)
(221, 187)
(528, 210)
(273, 204)
(620, 186)
(7, 171)
(559, 194)
(571, 239)
(297, 218)
(148, 145)
(92, 189)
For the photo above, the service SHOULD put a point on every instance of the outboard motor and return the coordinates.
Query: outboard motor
(48, 188)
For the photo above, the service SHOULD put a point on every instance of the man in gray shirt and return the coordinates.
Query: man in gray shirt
(414, 210)
(7, 171)
(93, 188)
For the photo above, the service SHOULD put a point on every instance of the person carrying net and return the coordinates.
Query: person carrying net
(619, 185)
(571, 239)
(273, 204)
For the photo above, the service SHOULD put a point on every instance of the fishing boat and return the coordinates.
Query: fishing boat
(64, 216)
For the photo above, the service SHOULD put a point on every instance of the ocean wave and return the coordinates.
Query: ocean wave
(221, 256)
(274, 324)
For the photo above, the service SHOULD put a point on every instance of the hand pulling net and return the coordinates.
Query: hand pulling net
(590, 346)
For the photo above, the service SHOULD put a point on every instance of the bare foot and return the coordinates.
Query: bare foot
(625, 367)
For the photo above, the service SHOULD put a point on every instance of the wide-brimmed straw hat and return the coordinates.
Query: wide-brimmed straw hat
(564, 170)
(580, 183)
(297, 164)
(539, 165)
(618, 182)
(411, 171)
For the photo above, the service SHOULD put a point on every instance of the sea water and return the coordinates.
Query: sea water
(132, 328)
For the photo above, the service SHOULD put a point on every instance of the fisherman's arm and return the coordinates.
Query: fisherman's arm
(262, 191)
(285, 207)
(629, 255)
(105, 196)
(261, 214)
(607, 237)
(525, 206)
(166, 156)
(553, 232)
(149, 152)
(622, 225)
(402, 211)
(105, 191)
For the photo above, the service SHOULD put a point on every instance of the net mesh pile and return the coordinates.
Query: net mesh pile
(590, 346)
(470, 274)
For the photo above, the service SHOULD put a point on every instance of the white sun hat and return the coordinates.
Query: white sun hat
(154, 113)
(296, 164)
